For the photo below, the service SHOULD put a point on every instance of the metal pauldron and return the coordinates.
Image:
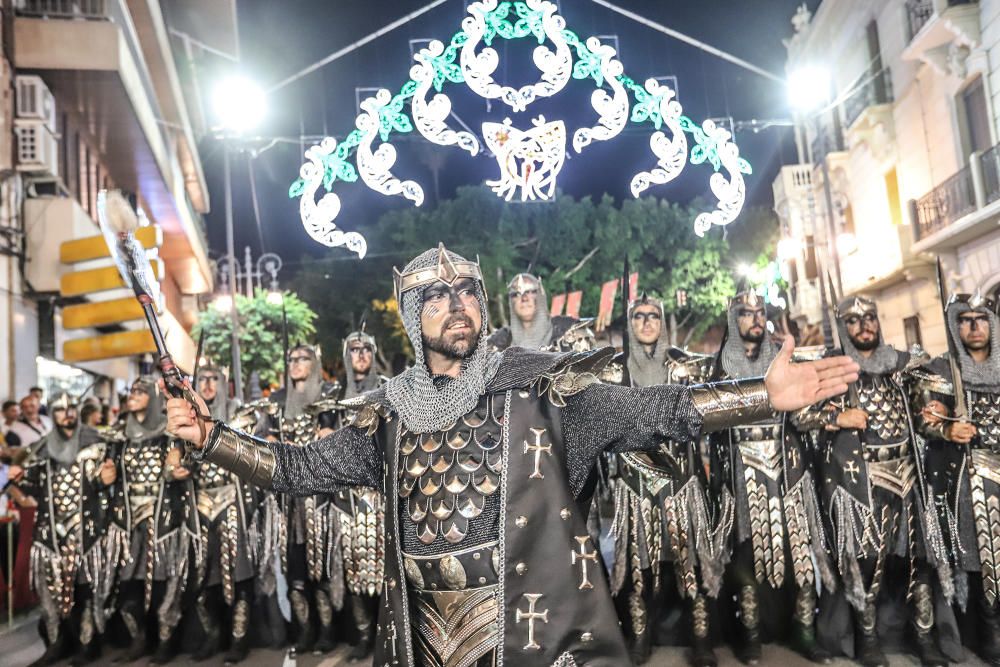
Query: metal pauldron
(247, 457)
(731, 403)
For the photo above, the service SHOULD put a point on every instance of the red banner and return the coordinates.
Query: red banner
(558, 301)
(633, 286)
(607, 305)
(573, 304)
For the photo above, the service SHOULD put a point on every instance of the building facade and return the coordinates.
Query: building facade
(904, 158)
(100, 94)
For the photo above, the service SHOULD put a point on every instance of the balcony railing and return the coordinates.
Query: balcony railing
(990, 163)
(919, 12)
(877, 90)
(945, 204)
(828, 139)
(64, 9)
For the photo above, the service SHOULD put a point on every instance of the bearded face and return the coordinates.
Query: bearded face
(65, 418)
(361, 357)
(647, 323)
(451, 318)
(863, 330)
(752, 321)
(208, 385)
(974, 330)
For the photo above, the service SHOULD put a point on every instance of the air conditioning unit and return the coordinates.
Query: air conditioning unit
(34, 101)
(37, 147)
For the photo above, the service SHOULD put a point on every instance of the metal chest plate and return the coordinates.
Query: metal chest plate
(984, 410)
(144, 463)
(882, 400)
(446, 476)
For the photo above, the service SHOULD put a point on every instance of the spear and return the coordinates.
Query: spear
(961, 410)
(626, 380)
(118, 224)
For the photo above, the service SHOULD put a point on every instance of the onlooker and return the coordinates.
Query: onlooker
(10, 415)
(39, 393)
(90, 415)
(31, 426)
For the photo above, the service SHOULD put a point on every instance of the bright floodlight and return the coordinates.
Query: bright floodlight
(808, 88)
(274, 297)
(239, 104)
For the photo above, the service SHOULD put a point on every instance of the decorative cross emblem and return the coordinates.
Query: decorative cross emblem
(582, 557)
(531, 616)
(537, 448)
(852, 470)
(793, 454)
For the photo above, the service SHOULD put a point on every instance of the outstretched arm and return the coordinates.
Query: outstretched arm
(346, 458)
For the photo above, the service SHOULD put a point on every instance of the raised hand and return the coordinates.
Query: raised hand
(960, 432)
(793, 386)
(183, 421)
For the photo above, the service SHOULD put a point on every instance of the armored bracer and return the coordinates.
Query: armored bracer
(731, 403)
(247, 457)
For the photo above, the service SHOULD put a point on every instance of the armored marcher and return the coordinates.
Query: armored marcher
(963, 458)
(531, 325)
(296, 416)
(488, 557)
(228, 526)
(779, 553)
(68, 475)
(872, 491)
(153, 528)
(362, 509)
(666, 532)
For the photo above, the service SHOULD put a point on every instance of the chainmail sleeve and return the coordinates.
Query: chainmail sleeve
(618, 419)
(343, 459)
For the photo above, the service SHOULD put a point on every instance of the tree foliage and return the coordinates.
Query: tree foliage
(552, 239)
(261, 334)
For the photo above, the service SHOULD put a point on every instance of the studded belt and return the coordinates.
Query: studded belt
(760, 432)
(454, 571)
(887, 451)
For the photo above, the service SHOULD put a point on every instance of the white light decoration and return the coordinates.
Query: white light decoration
(529, 160)
(671, 153)
(429, 117)
(556, 67)
(613, 111)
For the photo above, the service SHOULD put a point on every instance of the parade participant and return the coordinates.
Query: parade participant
(68, 475)
(488, 557)
(531, 325)
(310, 530)
(153, 523)
(661, 511)
(227, 517)
(963, 459)
(779, 552)
(362, 509)
(873, 493)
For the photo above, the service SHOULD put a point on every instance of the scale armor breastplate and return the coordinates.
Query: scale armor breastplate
(66, 493)
(211, 476)
(144, 462)
(300, 430)
(448, 478)
(882, 400)
(984, 411)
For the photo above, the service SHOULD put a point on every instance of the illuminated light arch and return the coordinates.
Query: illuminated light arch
(527, 157)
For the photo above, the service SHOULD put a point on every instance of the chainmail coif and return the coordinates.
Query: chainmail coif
(983, 376)
(423, 405)
(539, 333)
(883, 360)
(735, 362)
(644, 368)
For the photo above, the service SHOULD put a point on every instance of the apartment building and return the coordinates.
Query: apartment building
(903, 156)
(100, 94)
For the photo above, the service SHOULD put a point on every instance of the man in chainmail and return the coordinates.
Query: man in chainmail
(485, 456)
(531, 325)
(362, 509)
(963, 458)
(309, 529)
(68, 475)
(779, 553)
(662, 515)
(228, 527)
(873, 491)
(153, 531)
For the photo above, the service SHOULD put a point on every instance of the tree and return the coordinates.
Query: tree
(571, 244)
(261, 333)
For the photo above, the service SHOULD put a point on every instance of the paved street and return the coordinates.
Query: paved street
(21, 645)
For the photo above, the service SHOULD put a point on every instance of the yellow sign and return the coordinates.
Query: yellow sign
(79, 283)
(119, 344)
(101, 313)
(94, 247)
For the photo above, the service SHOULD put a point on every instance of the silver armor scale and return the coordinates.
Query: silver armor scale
(144, 462)
(885, 406)
(984, 411)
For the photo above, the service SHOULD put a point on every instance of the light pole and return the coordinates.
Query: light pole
(240, 105)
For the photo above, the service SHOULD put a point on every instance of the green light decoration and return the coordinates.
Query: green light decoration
(459, 63)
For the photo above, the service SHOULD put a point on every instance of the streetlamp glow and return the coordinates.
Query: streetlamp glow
(808, 88)
(223, 303)
(274, 297)
(239, 104)
(788, 249)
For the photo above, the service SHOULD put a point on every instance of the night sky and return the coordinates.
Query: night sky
(280, 38)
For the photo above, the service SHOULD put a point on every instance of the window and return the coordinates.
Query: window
(892, 191)
(811, 270)
(977, 120)
(911, 329)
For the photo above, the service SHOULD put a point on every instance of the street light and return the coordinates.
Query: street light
(808, 88)
(239, 106)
